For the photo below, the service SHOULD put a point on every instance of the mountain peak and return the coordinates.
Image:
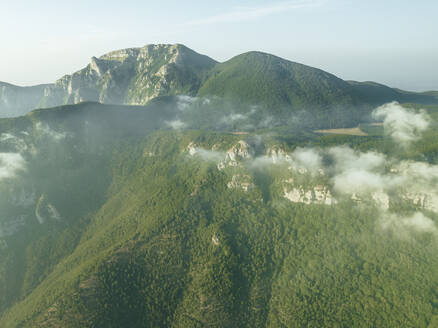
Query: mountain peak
(147, 51)
(133, 76)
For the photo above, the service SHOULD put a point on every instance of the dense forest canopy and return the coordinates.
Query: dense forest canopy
(199, 211)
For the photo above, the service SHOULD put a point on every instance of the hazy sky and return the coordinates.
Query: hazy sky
(389, 41)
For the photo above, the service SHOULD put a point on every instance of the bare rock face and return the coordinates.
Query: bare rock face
(16, 101)
(277, 154)
(241, 181)
(239, 152)
(237, 159)
(427, 201)
(44, 210)
(132, 76)
(215, 240)
(192, 148)
(129, 76)
(317, 195)
(242, 150)
(381, 199)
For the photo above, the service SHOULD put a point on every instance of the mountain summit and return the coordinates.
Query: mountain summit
(264, 78)
(134, 76)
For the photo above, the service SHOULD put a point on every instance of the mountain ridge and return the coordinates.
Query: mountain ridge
(134, 76)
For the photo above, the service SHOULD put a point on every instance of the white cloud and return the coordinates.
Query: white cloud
(17, 143)
(235, 117)
(358, 172)
(44, 129)
(10, 165)
(184, 102)
(176, 124)
(357, 180)
(346, 158)
(307, 158)
(403, 125)
(370, 178)
(417, 222)
(208, 155)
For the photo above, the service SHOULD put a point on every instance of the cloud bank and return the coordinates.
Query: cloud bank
(368, 178)
(10, 165)
(403, 125)
(176, 124)
(45, 130)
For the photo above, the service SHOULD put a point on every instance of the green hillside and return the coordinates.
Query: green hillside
(266, 79)
(377, 94)
(284, 87)
(144, 226)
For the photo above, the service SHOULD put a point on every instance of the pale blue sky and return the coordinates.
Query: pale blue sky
(388, 41)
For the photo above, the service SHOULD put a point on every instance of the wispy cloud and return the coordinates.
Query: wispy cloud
(176, 124)
(10, 164)
(240, 14)
(404, 125)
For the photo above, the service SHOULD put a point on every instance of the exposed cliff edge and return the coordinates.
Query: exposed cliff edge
(132, 76)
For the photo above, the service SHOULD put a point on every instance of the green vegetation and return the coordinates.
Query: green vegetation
(265, 79)
(152, 237)
(152, 216)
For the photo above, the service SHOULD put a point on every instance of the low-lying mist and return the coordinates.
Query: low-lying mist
(219, 114)
(53, 144)
(368, 177)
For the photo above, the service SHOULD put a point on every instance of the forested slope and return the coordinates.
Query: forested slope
(194, 228)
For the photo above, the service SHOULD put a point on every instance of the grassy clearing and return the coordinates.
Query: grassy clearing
(347, 131)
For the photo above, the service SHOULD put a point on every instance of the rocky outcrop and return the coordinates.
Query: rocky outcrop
(233, 157)
(241, 181)
(16, 101)
(427, 201)
(381, 199)
(241, 151)
(299, 184)
(44, 210)
(132, 76)
(318, 194)
(129, 76)
(277, 154)
(192, 148)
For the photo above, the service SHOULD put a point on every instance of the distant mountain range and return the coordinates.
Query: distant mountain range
(135, 76)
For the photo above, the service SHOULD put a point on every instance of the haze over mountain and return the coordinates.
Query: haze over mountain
(15, 101)
(135, 76)
(257, 192)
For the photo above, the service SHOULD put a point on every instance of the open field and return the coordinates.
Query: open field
(347, 131)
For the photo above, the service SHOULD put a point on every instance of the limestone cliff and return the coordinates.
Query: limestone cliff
(16, 101)
(132, 76)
